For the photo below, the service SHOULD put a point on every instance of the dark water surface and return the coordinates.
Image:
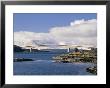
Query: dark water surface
(45, 65)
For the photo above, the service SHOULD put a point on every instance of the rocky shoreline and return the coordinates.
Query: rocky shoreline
(92, 70)
(83, 56)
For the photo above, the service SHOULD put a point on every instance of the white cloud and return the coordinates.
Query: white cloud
(24, 38)
(79, 32)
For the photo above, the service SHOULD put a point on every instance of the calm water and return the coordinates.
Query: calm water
(45, 65)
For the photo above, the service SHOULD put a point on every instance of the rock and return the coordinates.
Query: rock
(22, 59)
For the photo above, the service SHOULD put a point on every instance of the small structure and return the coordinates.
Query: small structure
(30, 48)
(68, 50)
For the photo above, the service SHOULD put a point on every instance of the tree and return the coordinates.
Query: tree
(76, 50)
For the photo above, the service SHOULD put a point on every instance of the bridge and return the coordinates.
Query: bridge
(68, 47)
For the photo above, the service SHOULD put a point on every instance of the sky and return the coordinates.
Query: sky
(55, 29)
(38, 22)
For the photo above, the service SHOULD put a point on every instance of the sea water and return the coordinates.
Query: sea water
(44, 64)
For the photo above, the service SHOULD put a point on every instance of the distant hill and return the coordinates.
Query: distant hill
(18, 49)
